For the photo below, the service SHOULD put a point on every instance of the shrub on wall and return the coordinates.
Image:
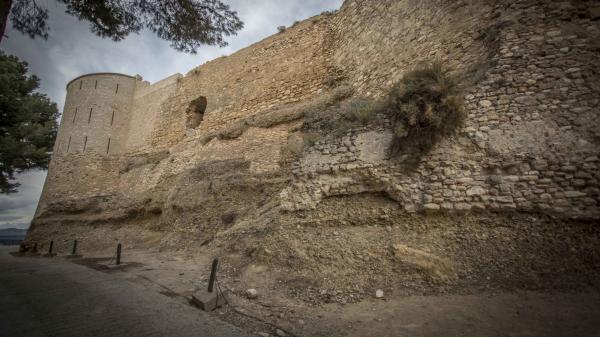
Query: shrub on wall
(361, 109)
(424, 106)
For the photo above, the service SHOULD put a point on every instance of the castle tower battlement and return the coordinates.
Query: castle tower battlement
(96, 114)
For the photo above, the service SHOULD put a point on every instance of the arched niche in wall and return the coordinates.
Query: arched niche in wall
(195, 112)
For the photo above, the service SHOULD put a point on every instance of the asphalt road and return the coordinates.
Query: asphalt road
(53, 297)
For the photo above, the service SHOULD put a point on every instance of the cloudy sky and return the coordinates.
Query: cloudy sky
(72, 50)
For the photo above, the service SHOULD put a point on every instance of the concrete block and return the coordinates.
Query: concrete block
(207, 301)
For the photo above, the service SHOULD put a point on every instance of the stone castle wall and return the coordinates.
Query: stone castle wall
(284, 68)
(375, 43)
(530, 142)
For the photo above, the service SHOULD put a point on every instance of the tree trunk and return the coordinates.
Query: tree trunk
(5, 6)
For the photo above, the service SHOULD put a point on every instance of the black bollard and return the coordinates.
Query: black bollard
(50, 253)
(213, 275)
(118, 254)
(74, 251)
(209, 300)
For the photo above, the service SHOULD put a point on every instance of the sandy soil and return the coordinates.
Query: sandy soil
(499, 313)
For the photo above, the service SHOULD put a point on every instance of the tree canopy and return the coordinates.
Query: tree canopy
(27, 122)
(187, 24)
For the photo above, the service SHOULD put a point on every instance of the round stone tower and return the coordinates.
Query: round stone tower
(96, 114)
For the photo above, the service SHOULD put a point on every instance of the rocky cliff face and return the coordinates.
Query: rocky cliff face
(513, 194)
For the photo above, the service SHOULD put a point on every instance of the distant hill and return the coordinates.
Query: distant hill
(12, 236)
(13, 232)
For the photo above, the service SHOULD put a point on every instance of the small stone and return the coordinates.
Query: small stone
(475, 191)
(280, 333)
(461, 206)
(251, 293)
(574, 194)
(485, 103)
(431, 207)
(379, 293)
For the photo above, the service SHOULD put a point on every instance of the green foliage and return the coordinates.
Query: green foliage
(425, 106)
(28, 17)
(187, 24)
(27, 122)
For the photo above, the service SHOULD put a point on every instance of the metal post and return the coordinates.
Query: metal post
(213, 275)
(118, 254)
(74, 247)
(50, 248)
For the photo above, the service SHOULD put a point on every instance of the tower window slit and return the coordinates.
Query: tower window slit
(80, 84)
(90, 116)
(75, 115)
(112, 118)
(117, 90)
(96, 85)
(84, 143)
(108, 146)
(69, 144)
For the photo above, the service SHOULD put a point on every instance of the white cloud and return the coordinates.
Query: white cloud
(72, 50)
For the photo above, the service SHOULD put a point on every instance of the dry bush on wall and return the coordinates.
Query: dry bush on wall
(361, 109)
(425, 106)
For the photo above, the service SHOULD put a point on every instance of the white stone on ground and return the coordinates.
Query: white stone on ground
(251, 293)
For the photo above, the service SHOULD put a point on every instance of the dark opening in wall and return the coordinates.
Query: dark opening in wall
(75, 115)
(84, 143)
(195, 112)
(117, 90)
(80, 84)
(108, 146)
(96, 85)
(112, 118)
(90, 116)
(69, 144)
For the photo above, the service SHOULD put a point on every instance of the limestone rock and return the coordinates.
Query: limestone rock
(251, 293)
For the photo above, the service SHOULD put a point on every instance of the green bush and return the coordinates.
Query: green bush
(425, 106)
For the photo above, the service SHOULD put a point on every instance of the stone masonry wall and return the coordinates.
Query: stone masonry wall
(97, 108)
(288, 67)
(530, 142)
(149, 102)
(375, 42)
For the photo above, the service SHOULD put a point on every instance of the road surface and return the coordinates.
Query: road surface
(53, 297)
